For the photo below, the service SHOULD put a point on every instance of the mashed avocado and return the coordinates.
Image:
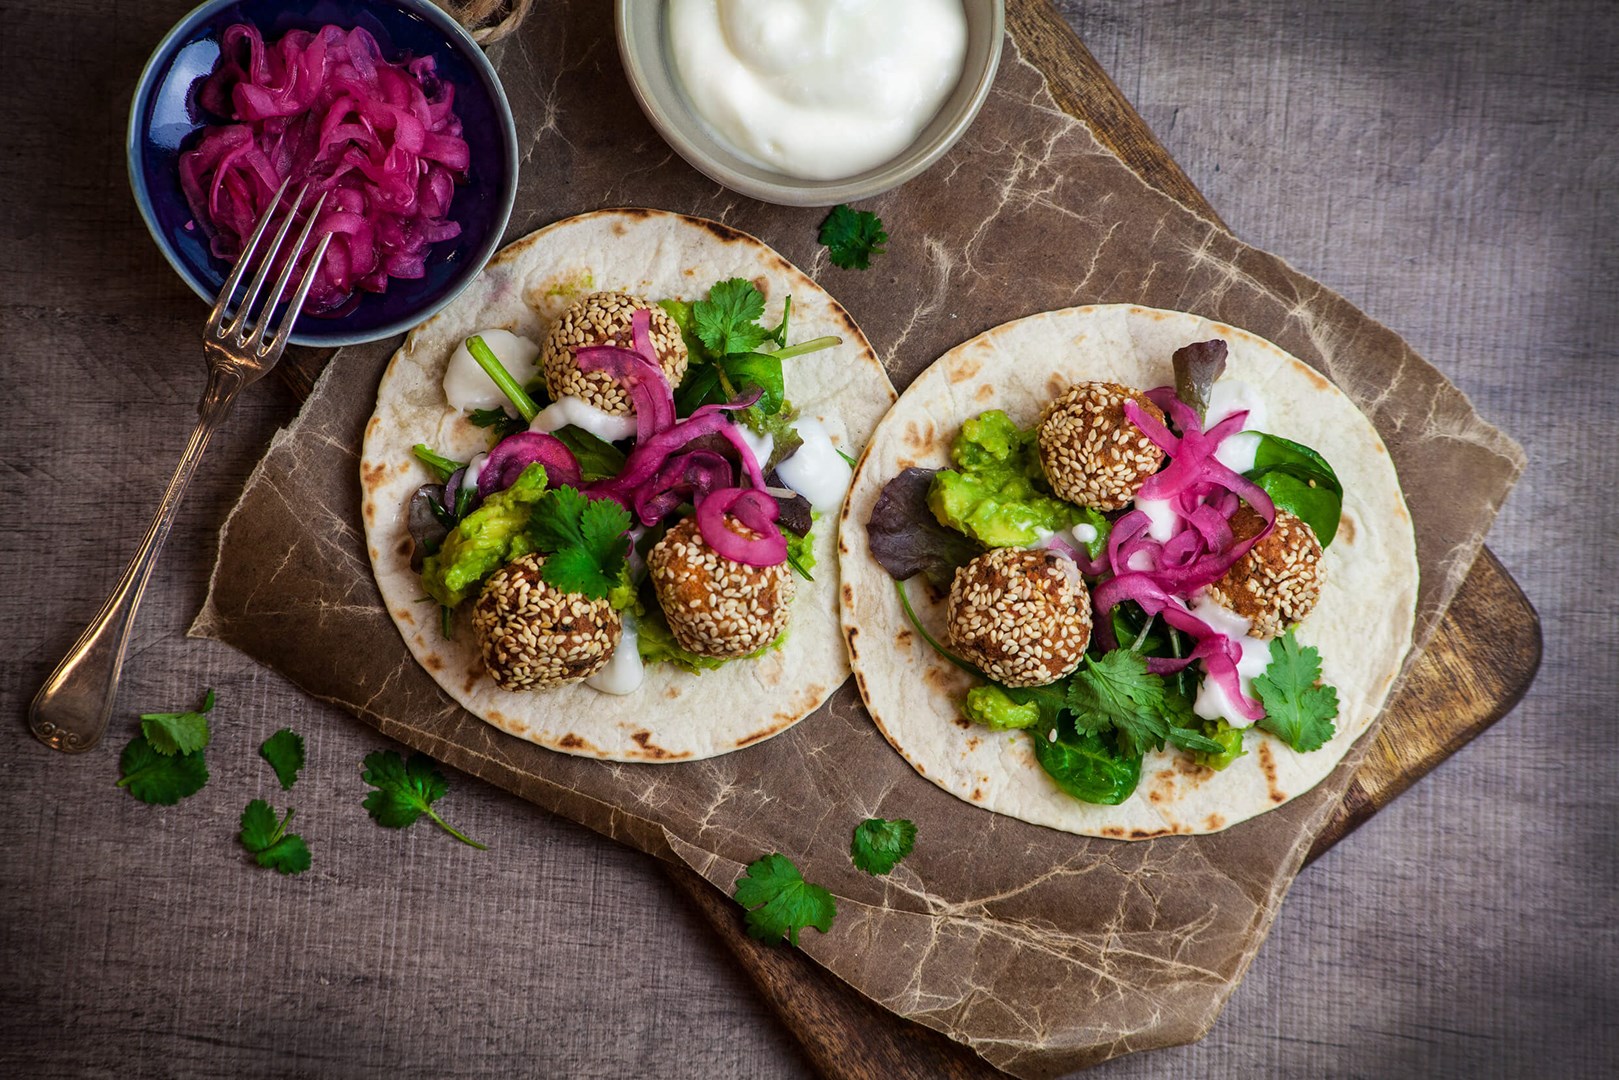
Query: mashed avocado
(991, 706)
(997, 493)
(484, 541)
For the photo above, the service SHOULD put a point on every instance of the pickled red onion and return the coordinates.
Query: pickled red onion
(380, 139)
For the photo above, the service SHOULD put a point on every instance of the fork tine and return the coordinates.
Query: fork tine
(282, 332)
(280, 289)
(244, 259)
(253, 290)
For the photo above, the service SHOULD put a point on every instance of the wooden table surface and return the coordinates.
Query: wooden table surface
(1450, 171)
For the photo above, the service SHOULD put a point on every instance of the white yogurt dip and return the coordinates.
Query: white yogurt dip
(568, 410)
(817, 89)
(468, 386)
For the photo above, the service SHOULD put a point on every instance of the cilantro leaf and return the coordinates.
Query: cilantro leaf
(1118, 692)
(272, 845)
(406, 791)
(584, 541)
(159, 779)
(1297, 711)
(171, 733)
(285, 752)
(728, 321)
(780, 902)
(852, 237)
(879, 845)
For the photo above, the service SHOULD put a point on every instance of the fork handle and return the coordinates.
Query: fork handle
(71, 710)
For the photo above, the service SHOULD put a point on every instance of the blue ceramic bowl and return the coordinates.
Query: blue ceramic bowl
(164, 119)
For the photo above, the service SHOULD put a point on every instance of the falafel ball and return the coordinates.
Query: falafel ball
(1023, 615)
(1092, 454)
(604, 318)
(534, 636)
(717, 607)
(1278, 581)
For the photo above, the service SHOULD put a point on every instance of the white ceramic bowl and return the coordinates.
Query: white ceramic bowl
(643, 47)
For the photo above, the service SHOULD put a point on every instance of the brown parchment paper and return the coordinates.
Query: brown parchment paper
(1043, 951)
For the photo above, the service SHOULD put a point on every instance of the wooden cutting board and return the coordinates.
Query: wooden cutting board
(1477, 667)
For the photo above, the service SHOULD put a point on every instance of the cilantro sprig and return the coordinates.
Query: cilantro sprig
(267, 838)
(1118, 693)
(1297, 710)
(174, 733)
(879, 845)
(405, 791)
(160, 779)
(728, 321)
(852, 237)
(780, 902)
(584, 540)
(285, 753)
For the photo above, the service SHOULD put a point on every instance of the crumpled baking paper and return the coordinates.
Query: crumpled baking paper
(1041, 950)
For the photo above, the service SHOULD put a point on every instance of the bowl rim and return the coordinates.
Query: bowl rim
(457, 36)
(789, 191)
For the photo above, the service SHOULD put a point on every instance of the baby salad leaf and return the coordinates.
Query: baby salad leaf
(879, 845)
(728, 321)
(852, 237)
(171, 733)
(1297, 711)
(598, 459)
(906, 539)
(406, 791)
(502, 421)
(272, 845)
(584, 540)
(285, 752)
(780, 902)
(160, 780)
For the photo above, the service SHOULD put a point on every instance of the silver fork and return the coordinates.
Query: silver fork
(70, 711)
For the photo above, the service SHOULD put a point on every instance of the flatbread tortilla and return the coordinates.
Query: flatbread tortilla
(675, 716)
(1362, 624)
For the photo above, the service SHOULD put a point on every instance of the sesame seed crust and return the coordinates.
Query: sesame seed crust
(1023, 615)
(604, 318)
(1092, 454)
(533, 636)
(1278, 582)
(717, 607)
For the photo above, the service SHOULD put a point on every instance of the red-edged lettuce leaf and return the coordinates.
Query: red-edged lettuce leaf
(905, 537)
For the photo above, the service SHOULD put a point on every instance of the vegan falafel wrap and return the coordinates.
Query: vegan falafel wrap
(1125, 572)
(600, 488)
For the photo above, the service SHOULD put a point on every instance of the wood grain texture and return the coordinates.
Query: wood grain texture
(1448, 167)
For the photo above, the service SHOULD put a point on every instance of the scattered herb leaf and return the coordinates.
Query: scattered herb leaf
(780, 902)
(852, 237)
(157, 779)
(598, 459)
(1297, 711)
(406, 791)
(272, 845)
(171, 733)
(879, 845)
(285, 752)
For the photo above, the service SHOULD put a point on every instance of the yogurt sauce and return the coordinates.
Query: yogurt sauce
(818, 89)
(1213, 703)
(816, 470)
(467, 386)
(580, 413)
(1229, 396)
(625, 672)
